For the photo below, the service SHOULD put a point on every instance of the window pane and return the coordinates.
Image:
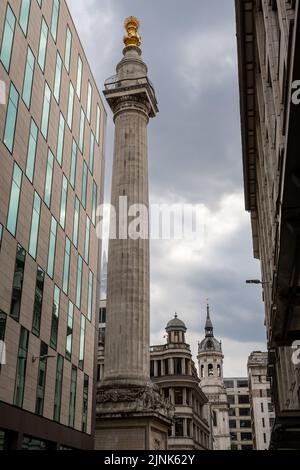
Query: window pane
(82, 342)
(14, 200)
(55, 318)
(79, 77)
(18, 283)
(81, 131)
(58, 387)
(2, 325)
(60, 140)
(24, 15)
(52, 244)
(57, 78)
(38, 302)
(28, 78)
(85, 403)
(31, 152)
(54, 19)
(90, 296)
(84, 184)
(89, 103)
(87, 240)
(21, 368)
(79, 282)
(66, 266)
(98, 125)
(40, 391)
(8, 38)
(72, 401)
(49, 177)
(43, 45)
(94, 203)
(63, 204)
(73, 164)
(70, 106)
(35, 223)
(69, 331)
(11, 118)
(68, 49)
(76, 222)
(46, 111)
(92, 151)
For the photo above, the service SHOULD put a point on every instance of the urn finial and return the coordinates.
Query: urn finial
(132, 38)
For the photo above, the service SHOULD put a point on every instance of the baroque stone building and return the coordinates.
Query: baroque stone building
(210, 360)
(262, 409)
(173, 369)
(268, 37)
(52, 128)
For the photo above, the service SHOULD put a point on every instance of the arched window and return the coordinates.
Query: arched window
(210, 370)
(219, 370)
(202, 371)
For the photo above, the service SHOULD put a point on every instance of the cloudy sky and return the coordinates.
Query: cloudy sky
(194, 157)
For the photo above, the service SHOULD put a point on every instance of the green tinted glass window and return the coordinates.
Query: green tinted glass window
(31, 151)
(14, 200)
(35, 224)
(28, 78)
(8, 38)
(11, 118)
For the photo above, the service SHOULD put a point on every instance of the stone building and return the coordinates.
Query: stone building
(173, 369)
(210, 360)
(237, 389)
(268, 37)
(262, 409)
(52, 129)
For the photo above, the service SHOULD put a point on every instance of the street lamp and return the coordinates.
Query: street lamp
(35, 358)
(257, 281)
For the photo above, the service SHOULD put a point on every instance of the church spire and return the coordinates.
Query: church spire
(209, 330)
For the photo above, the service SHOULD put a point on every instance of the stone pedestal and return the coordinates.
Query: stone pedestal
(132, 418)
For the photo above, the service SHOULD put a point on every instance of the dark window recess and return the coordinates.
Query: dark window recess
(177, 366)
(179, 427)
(243, 399)
(244, 411)
(38, 301)
(18, 283)
(178, 396)
(246, 436)
(232, 423)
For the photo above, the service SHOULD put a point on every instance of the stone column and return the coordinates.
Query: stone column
(127, 398)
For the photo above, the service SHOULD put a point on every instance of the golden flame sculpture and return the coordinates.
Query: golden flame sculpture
(132, 25)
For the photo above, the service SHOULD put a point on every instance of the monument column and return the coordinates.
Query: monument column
(127, 396)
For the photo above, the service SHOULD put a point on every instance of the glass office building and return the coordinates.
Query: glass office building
(52, 128)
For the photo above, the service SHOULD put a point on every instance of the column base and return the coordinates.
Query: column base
(132, 418)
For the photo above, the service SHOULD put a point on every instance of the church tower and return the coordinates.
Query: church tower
(210, 361)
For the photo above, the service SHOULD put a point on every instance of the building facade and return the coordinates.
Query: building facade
(239, 413)
(173, 371)
(262, 409)
(52, 129)
(210, 362)
(172, 368)
(268, 35)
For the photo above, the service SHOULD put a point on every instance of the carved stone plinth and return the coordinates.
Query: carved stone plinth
(132, 417)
